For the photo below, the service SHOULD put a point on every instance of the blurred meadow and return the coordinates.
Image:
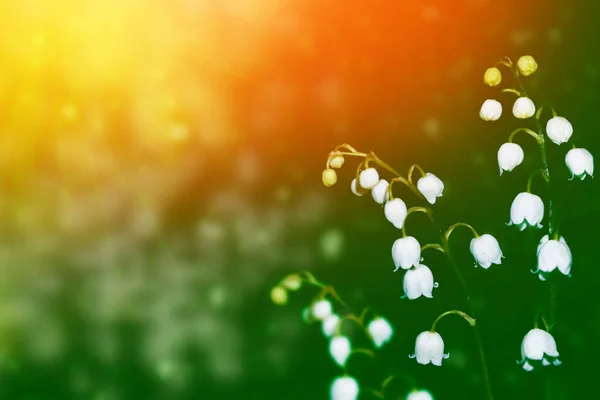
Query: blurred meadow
(160, 171)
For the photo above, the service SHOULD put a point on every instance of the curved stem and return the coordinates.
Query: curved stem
(456, 225)
(526, 130)
(411, 382)
(515, 91)
(465, 316)
(435, 246)
(533, 175)
(545, 106)
(403, 180)
(411, 210)
(411, 170)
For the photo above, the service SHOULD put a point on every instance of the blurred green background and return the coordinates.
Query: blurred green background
(160, 168)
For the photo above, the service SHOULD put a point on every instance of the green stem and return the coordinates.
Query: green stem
(465, 316)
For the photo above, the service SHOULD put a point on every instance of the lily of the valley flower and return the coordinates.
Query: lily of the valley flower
(380, 191)
(368, 178)
(419, 395)
(431, 187)
(527, 65)
(523, 108)
(510, 155)
(526, 210)
(559, 130)
(418, 281)
(553, 254)
(580, 162)
(492, 76)
(429, 348)
(344, 388)
(321, 309)
(406, 253)
(330, 325)
(395, 211)
(538, 348)
(340, 348)
(356, 189)
(490, 110)
(380, 330)
(486, 250)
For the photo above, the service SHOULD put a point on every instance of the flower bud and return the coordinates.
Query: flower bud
(429, 348)
(340, 348)
(492, 76)
(395, 211)
(321, 309)
(368, 178)
(279, 295)
(336, 161)
(292, 282)
(526, 210)
(329, 177)
(431, 187)
(418, 281)
(523, 108)
(380, 330)
(344, 388)
(553, 254)
(490, 110)
(486, 250)
(538, 348)
(380, 191)
(419, 395)
(510, 155)
(559, 130)
(356, 189)
(527, 65)
(580, 162)
(330, 325)
(406, 253)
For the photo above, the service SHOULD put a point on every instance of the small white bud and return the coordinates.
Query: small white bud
(380, 330)
(368, 178)
(559, 130)
(431, 187)
(580, 162)
(523, 108)
(486, 250)
(418, 281)
(355, 189)
(406, 253)
(330, 325)
(380, 191)
(510, 155)
(490, 110)
(395, 211)
(321, 309)
(527, 210)
(419, 395)
(538, 348)
(429, 348)
(344, 388)
(340, 349)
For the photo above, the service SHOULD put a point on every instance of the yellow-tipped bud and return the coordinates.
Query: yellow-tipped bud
(329, 177)
(527, 65)
(292, 282)
(492, 76)
(337, 161)
(279, 295)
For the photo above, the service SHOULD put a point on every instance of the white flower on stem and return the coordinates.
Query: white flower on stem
(406, 252)
(486, 250)
(395, 211)
(490, 110)
(340, 349)
(553, 254)
(510, 155)
(368, 178)
(344, 388)
(330, 325)
(431, 187)
(380, 330)
(559, 130)
(429, 348)
(419, 395)
(321, 309)
(380, 191)
(580, 162)
(526, 210)
(418, 281)
(538, 348)
(355, 189)
(523, 108)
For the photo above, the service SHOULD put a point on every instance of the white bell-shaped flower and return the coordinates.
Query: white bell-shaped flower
(538, 348)
(418, 281)
(486, 250)
(419, 395)
(523, 108)
(580, 162)
(380, 191)
(358, 191)
(526, 210)
(406, 253)
(340, 348)
(344, 388)
(368, 178)
(380, 330)
(330, 325)
(559, 130)
(553, 254)
(431, 187)
(490, 110)
(395, 211)
(510, 155)
(429, 348)
(321, 309)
